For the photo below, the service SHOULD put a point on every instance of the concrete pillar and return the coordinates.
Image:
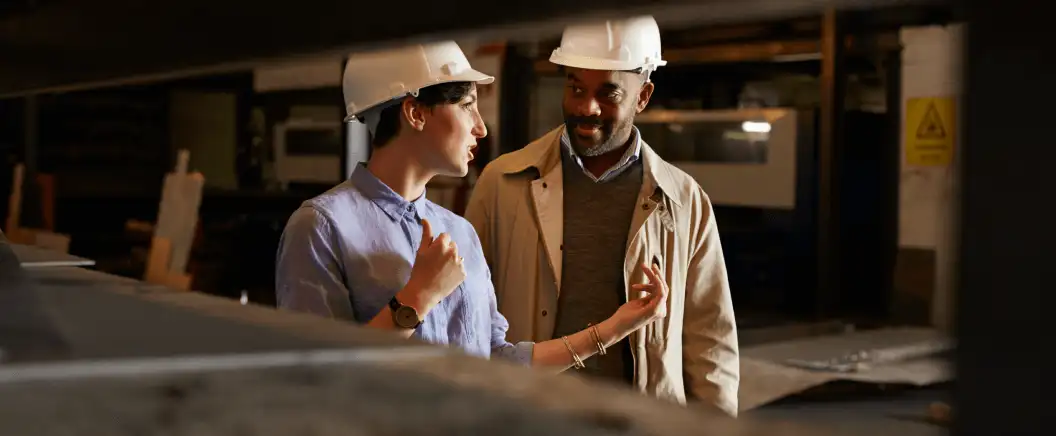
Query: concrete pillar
(931, 66)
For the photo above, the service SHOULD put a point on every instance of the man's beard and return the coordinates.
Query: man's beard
(612, 136)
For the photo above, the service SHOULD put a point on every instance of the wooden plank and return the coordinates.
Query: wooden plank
(46, 182)
(37, 257)
(51, 241)
(157, 269)
(44, 238)
(14, 202)
(178, 212)
(830, 162)
(79, 277)
(177, 218)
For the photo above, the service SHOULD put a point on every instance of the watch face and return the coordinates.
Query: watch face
(407, 317)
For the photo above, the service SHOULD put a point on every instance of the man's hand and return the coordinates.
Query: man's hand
(437, 271)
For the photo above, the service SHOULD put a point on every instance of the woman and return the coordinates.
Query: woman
(374, 250)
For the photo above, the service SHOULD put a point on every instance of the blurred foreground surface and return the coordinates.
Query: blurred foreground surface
(148, 359)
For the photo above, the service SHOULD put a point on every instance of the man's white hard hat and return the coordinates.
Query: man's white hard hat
(375, 79)
(615, 45)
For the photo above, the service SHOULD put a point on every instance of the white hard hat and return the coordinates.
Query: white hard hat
(615, 45)
(375, 78)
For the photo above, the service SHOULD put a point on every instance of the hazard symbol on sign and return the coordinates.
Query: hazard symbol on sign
(931, 126)
(929, 131)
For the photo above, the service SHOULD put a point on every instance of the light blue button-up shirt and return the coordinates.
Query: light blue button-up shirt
(347, 252)
(630, 156)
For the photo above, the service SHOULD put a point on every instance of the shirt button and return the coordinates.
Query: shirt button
(410, 207)
(544, 313)
(645, 206)
(544, 184)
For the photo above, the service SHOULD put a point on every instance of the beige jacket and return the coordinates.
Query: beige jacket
(517, 209)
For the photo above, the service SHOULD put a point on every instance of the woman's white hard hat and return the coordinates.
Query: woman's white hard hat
(374, 79)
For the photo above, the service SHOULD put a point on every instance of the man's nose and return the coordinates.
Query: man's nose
(588, 107)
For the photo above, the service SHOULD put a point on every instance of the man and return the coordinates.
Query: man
(375, 251)
(566, 221)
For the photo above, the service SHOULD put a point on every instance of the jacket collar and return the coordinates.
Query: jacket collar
(544, 155)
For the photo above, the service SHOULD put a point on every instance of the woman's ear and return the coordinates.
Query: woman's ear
(413, 112)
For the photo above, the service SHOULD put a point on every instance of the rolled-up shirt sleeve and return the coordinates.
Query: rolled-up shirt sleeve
(308, 271)
(520, 352)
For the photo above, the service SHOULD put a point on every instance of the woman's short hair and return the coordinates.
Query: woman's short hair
(444, 93)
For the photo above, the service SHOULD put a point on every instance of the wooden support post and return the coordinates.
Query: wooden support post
(833, 79)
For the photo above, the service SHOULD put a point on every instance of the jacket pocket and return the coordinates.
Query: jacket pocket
(657, 330)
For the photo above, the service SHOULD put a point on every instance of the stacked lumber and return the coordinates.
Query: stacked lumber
(39, 237)
(170, 247)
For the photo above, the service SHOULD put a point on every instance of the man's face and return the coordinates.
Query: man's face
(599, 108)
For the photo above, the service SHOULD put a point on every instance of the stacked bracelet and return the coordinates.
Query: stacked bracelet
(594, 334)
(576, 361)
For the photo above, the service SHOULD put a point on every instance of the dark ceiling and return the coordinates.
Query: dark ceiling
(11, 7)
(56, 45)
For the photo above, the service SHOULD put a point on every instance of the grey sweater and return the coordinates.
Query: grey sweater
(597, 220)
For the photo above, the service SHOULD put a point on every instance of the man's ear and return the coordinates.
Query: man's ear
(644, 95)
(413, 112)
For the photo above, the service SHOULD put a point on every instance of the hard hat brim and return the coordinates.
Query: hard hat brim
(469, 75)
(589, 63)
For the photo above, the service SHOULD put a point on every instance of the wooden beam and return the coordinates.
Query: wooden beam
(74, 45)
(764, 51)
(723, 53)
(833, 83)
(727, 53)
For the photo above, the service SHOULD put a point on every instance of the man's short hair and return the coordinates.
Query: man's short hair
(444, 93)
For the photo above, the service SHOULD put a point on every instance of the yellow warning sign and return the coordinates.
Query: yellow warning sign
(930, 126)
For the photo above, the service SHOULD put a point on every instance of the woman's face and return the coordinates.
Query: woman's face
(453, 131)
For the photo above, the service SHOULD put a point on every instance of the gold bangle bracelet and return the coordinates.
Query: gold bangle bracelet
(596, 335)
(576, 361)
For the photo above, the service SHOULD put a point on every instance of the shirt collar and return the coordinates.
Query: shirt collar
(544, 154)
(394, 205)
(631, 155)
